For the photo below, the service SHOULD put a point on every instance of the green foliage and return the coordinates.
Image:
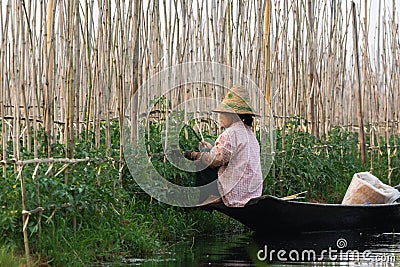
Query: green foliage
(9, 209)
(322, 166)
(114, 222)
(111, 222)
(9, 258)
(187, 137)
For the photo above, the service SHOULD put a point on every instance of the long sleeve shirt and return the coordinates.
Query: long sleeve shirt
(236, 154)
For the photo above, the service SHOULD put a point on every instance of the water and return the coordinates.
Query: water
(319, 249)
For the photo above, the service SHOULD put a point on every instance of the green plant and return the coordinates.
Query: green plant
(322, 166)
(9, 258)
(113, 222)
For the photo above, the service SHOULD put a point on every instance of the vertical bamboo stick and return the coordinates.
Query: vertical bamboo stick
(312, 84)
(364, 75)
(35, 155)
(108, 78)
(228, 36)
(396, 83)
(24, 216)
(267, 54)
(78, 73)
(69, 130)
(49, 77)
(26, 138)
(2, 90)
(100, 90)
(359, 82)
(121, 98)
(89, 64)
(16, 83)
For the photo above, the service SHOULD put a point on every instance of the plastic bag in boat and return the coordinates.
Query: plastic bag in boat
(365, 188)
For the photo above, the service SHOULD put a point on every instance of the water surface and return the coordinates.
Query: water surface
(314, 249)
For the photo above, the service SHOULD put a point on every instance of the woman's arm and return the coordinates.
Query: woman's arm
(219, 154)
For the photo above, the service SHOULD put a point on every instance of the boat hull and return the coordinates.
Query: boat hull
(271, 215)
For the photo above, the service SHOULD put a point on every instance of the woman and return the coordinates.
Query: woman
(236, 153)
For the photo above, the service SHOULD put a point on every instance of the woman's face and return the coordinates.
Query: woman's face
(227, 119)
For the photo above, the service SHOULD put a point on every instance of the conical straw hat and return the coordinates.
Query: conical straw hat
(237, 101)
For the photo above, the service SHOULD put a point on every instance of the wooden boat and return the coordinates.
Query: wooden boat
(268, 215)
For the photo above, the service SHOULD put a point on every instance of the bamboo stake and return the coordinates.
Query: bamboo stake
(24, 216)
(391, 112)
(2, 91)
(312, 84)
(70, 94)
(359, 95)
(16, 81)
(364, 75)
(88, 62)
(228, 36)
(267, 51)
(121, 104)
(108, 71)
(77, 70)
(396, 83)
(49, 77)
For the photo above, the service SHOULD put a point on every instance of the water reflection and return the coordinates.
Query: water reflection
(313, 249)
(332, 249)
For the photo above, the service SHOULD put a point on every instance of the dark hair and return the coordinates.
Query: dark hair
(247, 119)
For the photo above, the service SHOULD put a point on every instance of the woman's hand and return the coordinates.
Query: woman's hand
(192, 155)
(204, 144)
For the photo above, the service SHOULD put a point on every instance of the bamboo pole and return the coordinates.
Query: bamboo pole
(364, 80)
(359, 82)
(16, 27)
(88, 62)
(228, 37)
(121, 96)
(312, 85)
(24, 216)
(3, 85)
(70, 99)
(395, 81)
(267, 51)
(26, 138)
(78, 72)
(108, 71)
(49, 77)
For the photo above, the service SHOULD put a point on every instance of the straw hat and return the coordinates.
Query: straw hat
(237, 101)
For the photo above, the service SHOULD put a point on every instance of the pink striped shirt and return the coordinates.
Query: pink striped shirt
(237, 154)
